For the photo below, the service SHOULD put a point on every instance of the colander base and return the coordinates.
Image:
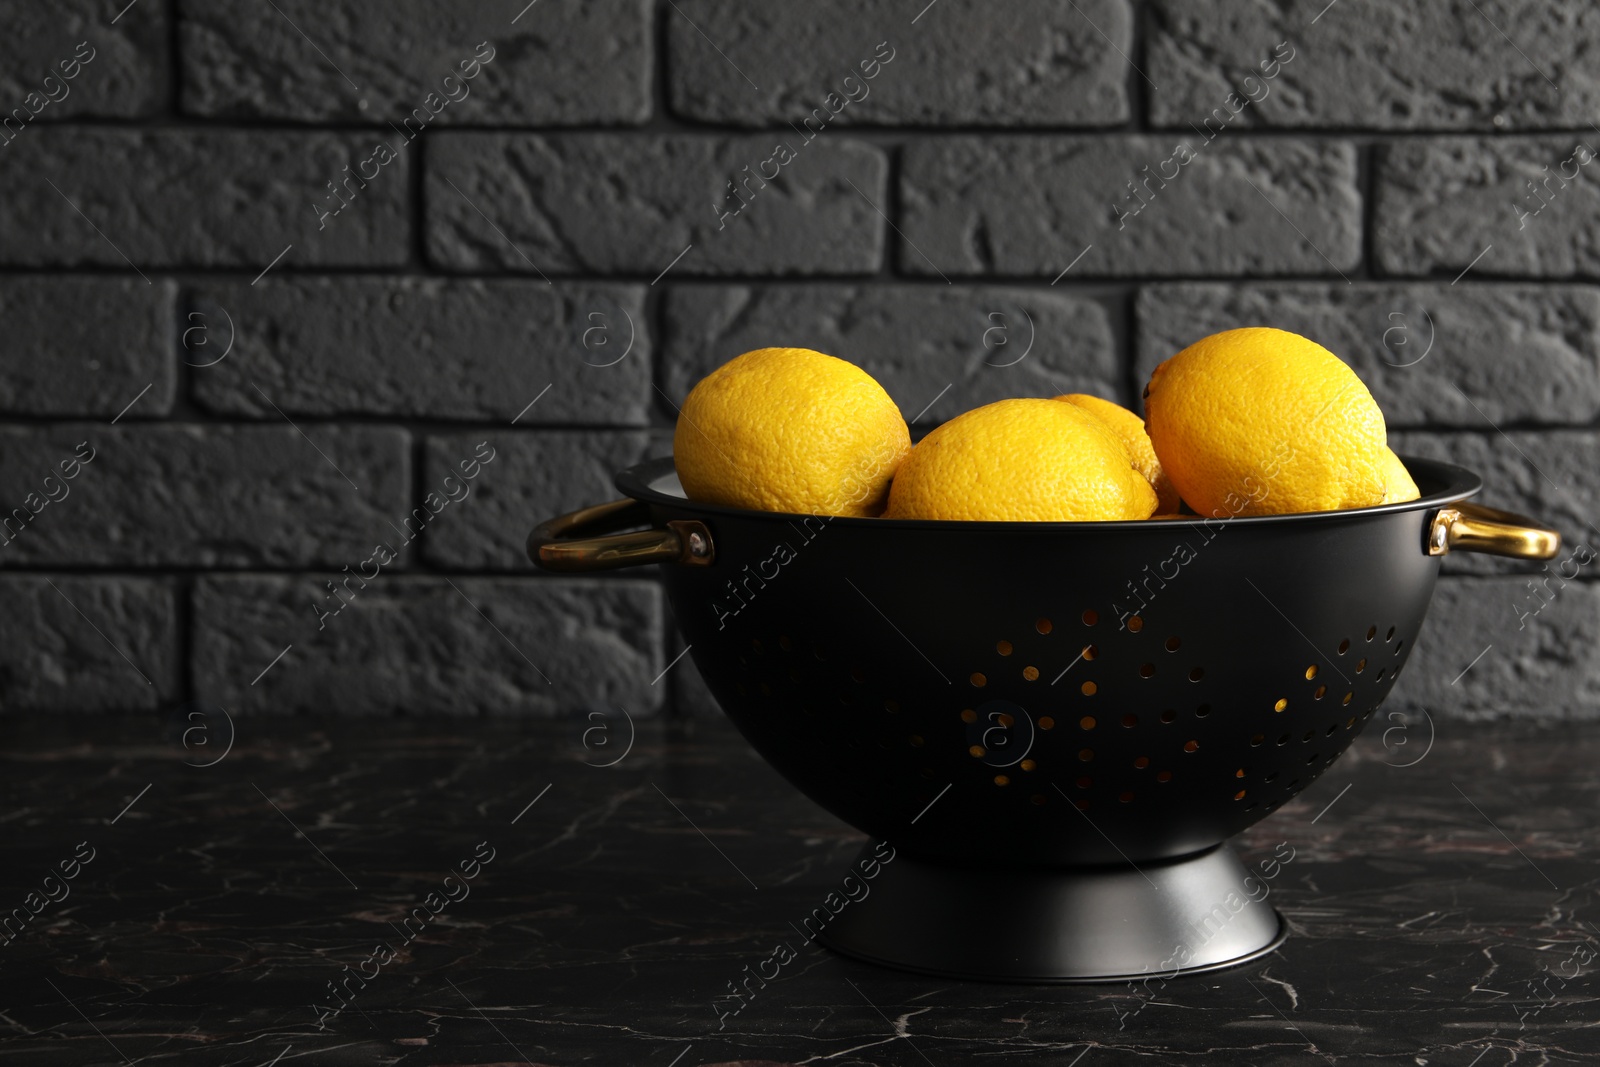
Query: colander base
(1143, 925)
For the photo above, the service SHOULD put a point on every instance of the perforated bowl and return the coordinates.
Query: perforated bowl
(1055, 725)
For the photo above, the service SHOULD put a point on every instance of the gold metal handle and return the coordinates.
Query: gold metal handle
(569, 542)
(1467, 527)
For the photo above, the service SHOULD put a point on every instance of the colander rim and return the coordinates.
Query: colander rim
(1458, 484)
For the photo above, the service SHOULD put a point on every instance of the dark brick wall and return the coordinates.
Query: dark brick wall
(525, 278)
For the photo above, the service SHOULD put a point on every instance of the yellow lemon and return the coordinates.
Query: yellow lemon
(1259, 421)
(789, 429)
(1397, 484)
(1021, 460)
(1128, 428)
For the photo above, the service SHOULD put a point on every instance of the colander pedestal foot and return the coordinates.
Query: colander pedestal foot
(1089, 924)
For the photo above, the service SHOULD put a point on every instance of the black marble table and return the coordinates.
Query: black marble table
(1442, 909)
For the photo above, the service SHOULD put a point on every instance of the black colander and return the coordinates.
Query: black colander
(1056, 726)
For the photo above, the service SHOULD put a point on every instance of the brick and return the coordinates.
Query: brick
(203, 495)
(1432, 354)
(126, 72)
(534, 477)
(66, 637)
(431, 348)
(1538, 648)
(559, 64)
(602, 203)
(198, 198)
(1032, 206)
(1442, 203)
(928, 345)
(501, 646)
(965, 62)
(1548, 476)
(691, 697)
(83, 346)
(1374, 64)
